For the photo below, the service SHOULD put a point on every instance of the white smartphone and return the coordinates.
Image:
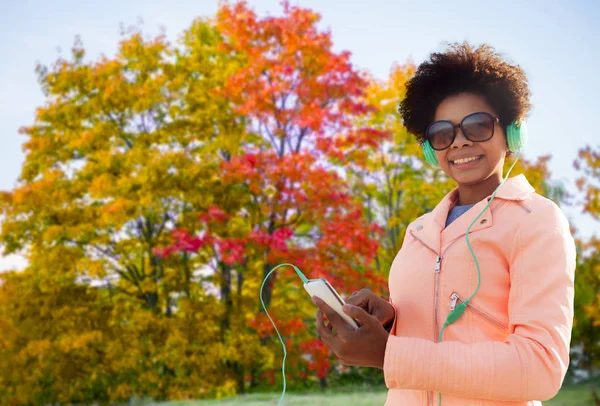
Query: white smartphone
(324, 291)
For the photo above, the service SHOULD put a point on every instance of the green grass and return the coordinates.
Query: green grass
(573, 395)
(316, 399)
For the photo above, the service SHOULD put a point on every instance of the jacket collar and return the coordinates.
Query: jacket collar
(430, 228)
(516, 188)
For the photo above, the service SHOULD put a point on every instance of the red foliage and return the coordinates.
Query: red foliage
(183, 242)
(319, 357)
(303, 100)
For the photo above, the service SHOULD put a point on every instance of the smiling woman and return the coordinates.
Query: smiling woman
(457, 103)
(474, 157)
(509, 345)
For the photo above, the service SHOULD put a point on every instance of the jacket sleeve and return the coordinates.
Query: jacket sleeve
(532, 362)
(392, 329)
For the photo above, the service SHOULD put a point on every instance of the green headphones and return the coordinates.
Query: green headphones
(516, 138)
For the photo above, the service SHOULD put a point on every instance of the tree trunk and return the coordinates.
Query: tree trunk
(239, 372)
(168, 303)
(226, 299)
(595, 397)
(267, 292)
(151, 300)
(253, 379)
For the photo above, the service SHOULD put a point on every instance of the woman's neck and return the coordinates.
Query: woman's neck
(471, 194)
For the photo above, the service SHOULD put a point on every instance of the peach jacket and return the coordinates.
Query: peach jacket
(511, 346)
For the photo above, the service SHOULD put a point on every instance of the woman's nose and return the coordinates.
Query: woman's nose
(460, 140)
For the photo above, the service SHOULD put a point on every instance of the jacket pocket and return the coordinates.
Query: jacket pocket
(456, 300)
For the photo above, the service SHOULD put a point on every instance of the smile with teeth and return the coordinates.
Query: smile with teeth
(465, 160)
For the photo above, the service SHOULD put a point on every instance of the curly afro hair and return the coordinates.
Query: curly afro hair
(462, 68)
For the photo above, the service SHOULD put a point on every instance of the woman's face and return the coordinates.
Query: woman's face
(490, 154)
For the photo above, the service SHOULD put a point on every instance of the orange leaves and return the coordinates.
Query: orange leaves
(92, 268)
(319, 357)
(292, 83)
(101, 186)
(351, 240)
(120, 205)
(589, 165)
(586, 326)
(77, 343)
(214, 214)
(264, 328)
(590, 159)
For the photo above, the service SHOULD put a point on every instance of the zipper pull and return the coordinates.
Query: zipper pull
(437, 264)
(454, 298)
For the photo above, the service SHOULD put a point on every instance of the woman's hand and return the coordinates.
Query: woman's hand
(373, 305)
(364, 346)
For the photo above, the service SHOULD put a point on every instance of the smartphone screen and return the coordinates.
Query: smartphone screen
(333, 292)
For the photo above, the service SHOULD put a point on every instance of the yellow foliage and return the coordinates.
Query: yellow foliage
(101, 186)
(130, 147)
(104, 171)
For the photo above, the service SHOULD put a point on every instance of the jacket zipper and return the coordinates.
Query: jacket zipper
(436, 270)
(456, 299)
(437, 273)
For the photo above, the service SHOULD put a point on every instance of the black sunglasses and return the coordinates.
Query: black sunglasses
(477, 127)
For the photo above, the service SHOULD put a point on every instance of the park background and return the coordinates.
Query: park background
(160, 158)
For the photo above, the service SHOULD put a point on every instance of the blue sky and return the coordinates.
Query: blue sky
(555, 41)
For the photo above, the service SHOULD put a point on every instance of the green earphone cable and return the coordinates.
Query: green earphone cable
(460, 309)
(304, 279)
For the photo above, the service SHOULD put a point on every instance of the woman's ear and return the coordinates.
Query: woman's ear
(508, 151)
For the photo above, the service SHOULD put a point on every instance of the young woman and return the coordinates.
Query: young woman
(460, 331)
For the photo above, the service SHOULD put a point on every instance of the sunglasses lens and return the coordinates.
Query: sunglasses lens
(479, 127)
(440, 134)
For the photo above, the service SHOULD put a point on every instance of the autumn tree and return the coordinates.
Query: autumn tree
(53, 341)
(183, 175)
(395, 183)
(160, 187)
(586, 329)
(288, 203)
(124, 151)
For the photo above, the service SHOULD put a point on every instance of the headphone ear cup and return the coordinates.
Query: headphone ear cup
(516, 136)
(429, 153)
